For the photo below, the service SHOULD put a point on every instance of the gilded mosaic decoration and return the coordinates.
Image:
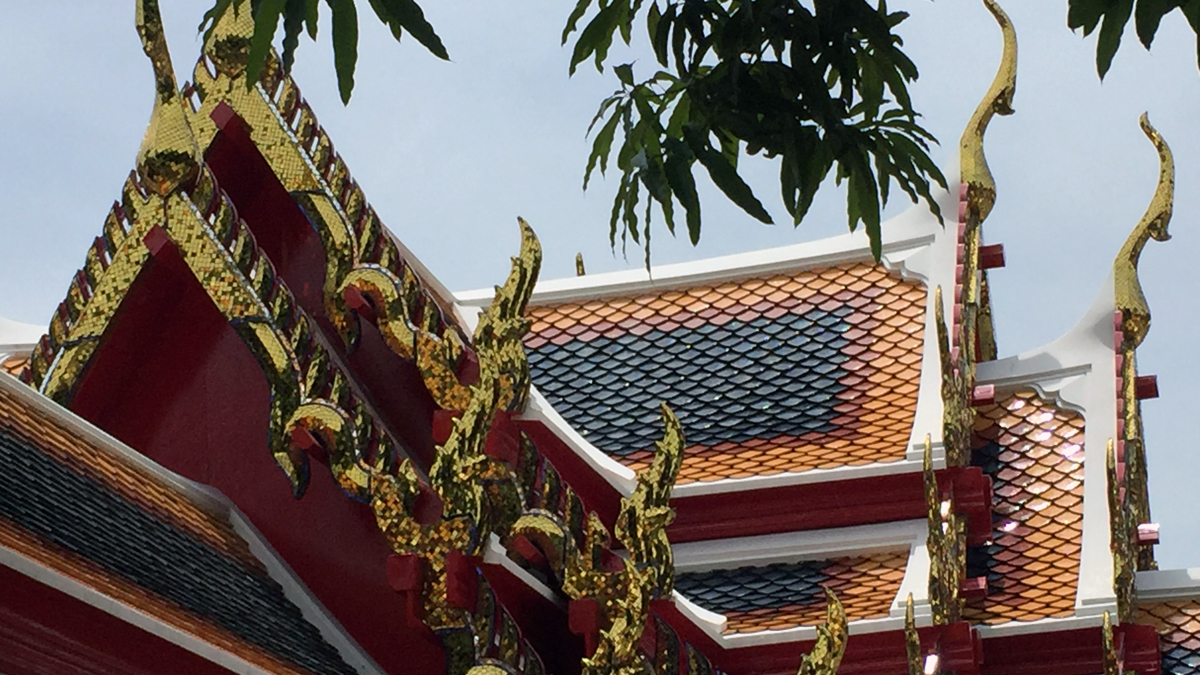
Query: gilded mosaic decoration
(946, 543)
(648, 573)
(826, 654)
(1133, 318)
(958, 347)
(362, 258)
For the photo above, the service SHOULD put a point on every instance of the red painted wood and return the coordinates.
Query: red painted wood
(44, 631)
(394, 386)
(991, 256)
(174, 381)
(812, 506)
(1072, 652)
(881, 653)
(1145, 386)
(543, 623)
(597, 494)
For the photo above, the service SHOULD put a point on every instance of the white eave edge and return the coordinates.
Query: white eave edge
(1077, 372)
(18, 339)
(919, 248)
(210, 500)
(809, 545)
(1177, 584)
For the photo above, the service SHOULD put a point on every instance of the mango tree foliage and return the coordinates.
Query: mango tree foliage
(1113, 15)
(820, 86)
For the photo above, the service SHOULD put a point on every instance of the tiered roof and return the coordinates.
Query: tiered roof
(487, 482)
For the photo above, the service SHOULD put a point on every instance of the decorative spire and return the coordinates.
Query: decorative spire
(973, 168)
(169, 157)
(912, 639)
(826, 654)
(579, 269)
(1135, 312)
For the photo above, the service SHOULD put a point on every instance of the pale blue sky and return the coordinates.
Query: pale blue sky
(450, 154)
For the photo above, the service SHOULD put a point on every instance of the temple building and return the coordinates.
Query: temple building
(259, 436)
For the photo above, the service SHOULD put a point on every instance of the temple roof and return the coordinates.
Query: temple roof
(787, 372)
(73, 501)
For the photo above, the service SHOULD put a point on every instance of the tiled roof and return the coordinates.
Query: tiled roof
(787, 595)
(195, 568)
(13, 365)
(1033, 452)
(1178, 625)
(815, 369)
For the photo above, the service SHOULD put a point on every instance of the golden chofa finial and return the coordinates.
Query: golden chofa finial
(973, 168)
(228, 28)
(1135, 312)
(579, 269)
(169, 157)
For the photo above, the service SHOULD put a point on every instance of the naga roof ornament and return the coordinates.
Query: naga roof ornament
(826, 654)
(912, 640)
(946, 542)
(1132, 319)
(973, 167)
(623, 594)
(970, 336)
(1130, 301)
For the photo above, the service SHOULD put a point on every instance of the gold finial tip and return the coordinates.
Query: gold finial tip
(579, 269)
(169, 157)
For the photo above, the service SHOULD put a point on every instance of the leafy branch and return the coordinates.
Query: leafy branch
(400, 16)
(1113, 15)
(821, 89)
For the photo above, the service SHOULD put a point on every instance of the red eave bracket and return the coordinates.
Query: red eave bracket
(1071, 652)
(972, 497)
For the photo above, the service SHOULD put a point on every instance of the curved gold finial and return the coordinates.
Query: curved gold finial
(169, 157)
(1135, 312)
(826, 654)
(973, 168)
(642, 522)
(912, 639)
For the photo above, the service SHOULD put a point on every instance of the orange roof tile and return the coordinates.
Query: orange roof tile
(815, 369)
(1032, 451)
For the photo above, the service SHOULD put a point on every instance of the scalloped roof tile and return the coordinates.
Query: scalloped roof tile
(786, 373)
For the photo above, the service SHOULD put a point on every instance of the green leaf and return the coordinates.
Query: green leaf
(1148, 15)
(1085, 14)
(408, 15)
(596, 36)
(345, 44)
(678, 169)
(725, 176)
(573, 20)
(681, 115)
(1109, 39)
(265, 22)
(310, 17)
(601, 147)
(294, 12)
(625, 74)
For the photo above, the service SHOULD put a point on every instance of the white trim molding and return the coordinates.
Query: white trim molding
(1176, 584)
(1077, 372)
(918, 248)
(761, 550)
